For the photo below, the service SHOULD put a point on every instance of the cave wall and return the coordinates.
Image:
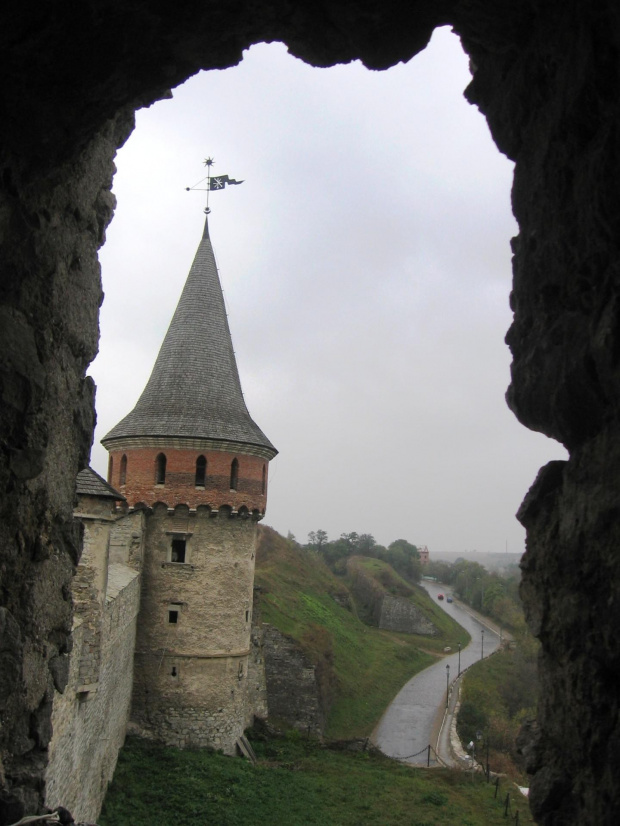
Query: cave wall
(546, 76)
(51, 224)
(553, 106)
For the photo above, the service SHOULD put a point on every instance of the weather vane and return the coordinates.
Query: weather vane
(214, 182)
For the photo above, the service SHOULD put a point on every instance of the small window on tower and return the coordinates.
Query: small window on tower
(201, 471)
(110, 469)
(173, 616)
(177, 551)
(264, 480)
(174, 672)
(247, 616)
(123, 474)
(234, 475)
(160, 469)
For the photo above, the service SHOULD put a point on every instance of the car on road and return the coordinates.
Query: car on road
(448, 599)
(439, 596)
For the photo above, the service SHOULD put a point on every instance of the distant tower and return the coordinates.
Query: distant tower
(192, 457)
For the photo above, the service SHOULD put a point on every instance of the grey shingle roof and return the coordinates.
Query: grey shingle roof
(194, 390)
(89, 483)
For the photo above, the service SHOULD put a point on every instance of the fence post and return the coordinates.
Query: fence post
(517, 818)
(507, 805)
(496, 787)
(428, 759)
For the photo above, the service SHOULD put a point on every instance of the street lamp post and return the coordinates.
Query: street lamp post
(447, 686)
(482, 653)
(459, 674)
(472, 748)
(478, 738)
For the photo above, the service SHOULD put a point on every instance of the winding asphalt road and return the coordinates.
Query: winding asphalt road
(408, 725)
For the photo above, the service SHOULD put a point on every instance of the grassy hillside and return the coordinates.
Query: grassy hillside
(498, 695)
(295, 783)
(360, 668)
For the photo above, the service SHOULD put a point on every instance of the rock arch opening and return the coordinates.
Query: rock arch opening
(375, 214)
(545, 76)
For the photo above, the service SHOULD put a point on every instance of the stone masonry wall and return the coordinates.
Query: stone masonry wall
(191, 666)
(127, 540)
(90, 583)
(190, 702)
(400, 614)
(257, 681)
(292, 690)
(89, 727)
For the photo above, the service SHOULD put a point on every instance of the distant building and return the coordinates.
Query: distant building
(423, 551)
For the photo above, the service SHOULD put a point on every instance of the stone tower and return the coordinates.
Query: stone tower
(190, 455)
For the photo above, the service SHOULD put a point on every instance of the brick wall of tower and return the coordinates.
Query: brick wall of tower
(190, 675)
(180, 481)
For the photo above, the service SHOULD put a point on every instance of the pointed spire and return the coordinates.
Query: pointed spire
(194, 390)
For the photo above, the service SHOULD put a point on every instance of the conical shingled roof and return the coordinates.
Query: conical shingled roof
(194, 390)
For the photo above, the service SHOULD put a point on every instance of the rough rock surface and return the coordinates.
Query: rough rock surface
(546, 76)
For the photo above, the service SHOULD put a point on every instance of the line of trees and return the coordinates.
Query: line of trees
(402, 555)
(491, 593)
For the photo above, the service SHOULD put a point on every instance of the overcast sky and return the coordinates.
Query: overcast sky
(365, 263)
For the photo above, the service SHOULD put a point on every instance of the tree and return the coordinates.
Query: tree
(351, 540)
(442, 571)
(317, 539)
(404, 558)
(366, 544)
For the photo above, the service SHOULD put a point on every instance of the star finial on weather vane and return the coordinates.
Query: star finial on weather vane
(213, 183)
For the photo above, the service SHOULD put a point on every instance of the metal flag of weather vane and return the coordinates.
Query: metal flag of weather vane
(214, 182)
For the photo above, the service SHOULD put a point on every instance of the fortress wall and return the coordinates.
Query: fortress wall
(292, 689)
(127, 539)
(257, 681)
(89, 727)
(399, 614)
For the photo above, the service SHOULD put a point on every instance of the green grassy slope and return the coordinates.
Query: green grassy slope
(498, 695)
(361, 668)
(295, 783)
